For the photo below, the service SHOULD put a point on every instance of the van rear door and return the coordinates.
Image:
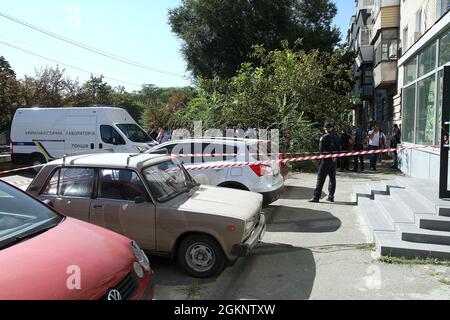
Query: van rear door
(81, 133)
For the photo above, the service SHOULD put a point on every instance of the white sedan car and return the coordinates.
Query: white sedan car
(264, 179)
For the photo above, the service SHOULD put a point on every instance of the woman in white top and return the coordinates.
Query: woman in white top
(374, 144)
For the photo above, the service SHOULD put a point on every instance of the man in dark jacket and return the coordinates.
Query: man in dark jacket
(358, 141)
(395, 141)
(346, 142)
(329, 143)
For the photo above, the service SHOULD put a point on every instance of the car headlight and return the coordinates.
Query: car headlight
(141, 257)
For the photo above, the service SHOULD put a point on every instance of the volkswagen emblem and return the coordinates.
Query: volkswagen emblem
(114, 295)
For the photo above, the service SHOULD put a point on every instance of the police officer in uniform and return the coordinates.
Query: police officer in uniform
(329, 144)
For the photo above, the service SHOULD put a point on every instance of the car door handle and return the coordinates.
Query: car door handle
(98, 206)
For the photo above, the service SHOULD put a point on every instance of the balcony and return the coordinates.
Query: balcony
(386, 14)
(365, 55)
(385, 74)
(365, 5)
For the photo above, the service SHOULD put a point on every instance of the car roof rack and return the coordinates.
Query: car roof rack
(80, 153)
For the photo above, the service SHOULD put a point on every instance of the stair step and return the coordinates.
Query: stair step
(394, 210)
(361, 191)
(410, 203)
(433, 222)
(423, 190)
(411, 233)
(388, 244)
(443, 211)
(375, 216)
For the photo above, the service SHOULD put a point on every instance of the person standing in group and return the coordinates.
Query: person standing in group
(394, 142)
(383, 145)
(358, 141)
(346, 143)
(329, 143)
(374, 144)
(153, 132)
(166, 135)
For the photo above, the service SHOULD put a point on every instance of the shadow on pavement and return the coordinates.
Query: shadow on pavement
(297, 193)
(168, 273)
(287, 219)
(270, 272)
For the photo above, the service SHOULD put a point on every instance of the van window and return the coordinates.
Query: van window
(134, 133)
(111, 136)
(120, 185)
(71, 182)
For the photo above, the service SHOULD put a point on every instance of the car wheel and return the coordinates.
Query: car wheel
(201, 256)
(38, 160)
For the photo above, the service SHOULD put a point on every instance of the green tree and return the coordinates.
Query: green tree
(218, 35)
(161, 104)
(285, 89)
(48, 88)
(9, 94)
(96, 91)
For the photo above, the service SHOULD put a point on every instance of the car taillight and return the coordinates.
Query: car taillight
(261, 169)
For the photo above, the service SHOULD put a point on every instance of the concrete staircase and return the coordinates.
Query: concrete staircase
(407, 217)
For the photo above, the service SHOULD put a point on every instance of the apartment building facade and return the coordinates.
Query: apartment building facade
(374, 37)
(411, 43)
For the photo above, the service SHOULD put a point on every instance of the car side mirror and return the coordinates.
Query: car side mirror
(139, 200)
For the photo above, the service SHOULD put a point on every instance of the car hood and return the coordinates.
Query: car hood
(223, 202)
(41, 267)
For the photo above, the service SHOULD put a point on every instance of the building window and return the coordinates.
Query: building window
(425, 111)
(386, 48)
(409, 113)
(442, 7)
(444, 49)
(405, 39)
(419, 21)
(427, 60)
(410, 71)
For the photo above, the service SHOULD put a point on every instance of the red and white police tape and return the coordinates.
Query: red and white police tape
(292, 160)
(194, 167)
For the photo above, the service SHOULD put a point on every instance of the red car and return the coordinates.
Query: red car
(46, 256)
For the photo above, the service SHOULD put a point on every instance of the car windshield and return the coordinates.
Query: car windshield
(167, 180)
(134, 133)
(22, 216)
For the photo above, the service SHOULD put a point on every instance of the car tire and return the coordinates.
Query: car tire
(37, 159)
(201, 256)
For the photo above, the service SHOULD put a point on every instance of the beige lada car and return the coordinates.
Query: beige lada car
(154, 200)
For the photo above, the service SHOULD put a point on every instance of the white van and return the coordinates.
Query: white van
(41, 135)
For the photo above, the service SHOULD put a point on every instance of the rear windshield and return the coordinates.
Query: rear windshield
(134, 133)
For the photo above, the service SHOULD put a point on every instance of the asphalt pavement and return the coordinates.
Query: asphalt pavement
(311, 251)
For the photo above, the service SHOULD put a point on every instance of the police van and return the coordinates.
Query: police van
(40, 135)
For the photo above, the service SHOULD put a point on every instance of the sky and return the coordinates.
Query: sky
(135, 29)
